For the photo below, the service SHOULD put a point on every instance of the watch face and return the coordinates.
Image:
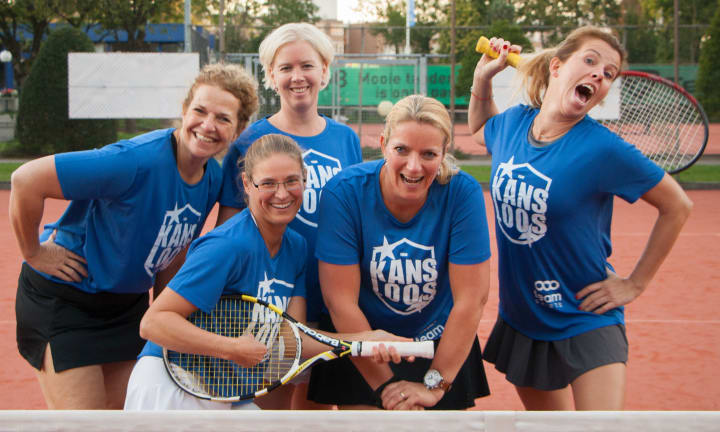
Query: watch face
(432, 379)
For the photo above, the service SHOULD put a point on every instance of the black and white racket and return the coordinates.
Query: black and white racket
(660, 118)
(223, 380)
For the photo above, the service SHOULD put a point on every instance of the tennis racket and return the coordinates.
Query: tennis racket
(660, 118)
(223, 380)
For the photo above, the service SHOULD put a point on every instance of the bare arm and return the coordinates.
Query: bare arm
(166, 324)
(674, 208)
(31, 184)
(482, 106)
(341, 288)
(470, 285)
(225, 213)
(163, 277)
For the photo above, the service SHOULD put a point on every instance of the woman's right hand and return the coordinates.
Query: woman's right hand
(57, 261)
(487, 67)
(247, 351)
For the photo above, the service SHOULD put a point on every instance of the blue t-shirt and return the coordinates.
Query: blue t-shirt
(553, 209)
(233, 259)
(405, 286)
(325, 154)
(131, 213)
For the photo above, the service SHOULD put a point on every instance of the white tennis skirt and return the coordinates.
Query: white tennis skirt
(151, 389)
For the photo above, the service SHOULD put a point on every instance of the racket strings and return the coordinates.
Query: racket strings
(660, 121)
(219, 378)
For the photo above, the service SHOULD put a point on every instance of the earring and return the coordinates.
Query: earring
(322, 83)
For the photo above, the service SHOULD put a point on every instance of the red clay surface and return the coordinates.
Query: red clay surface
(370, 134)
(673, 328)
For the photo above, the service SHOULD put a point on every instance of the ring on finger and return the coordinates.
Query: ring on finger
(402, 395)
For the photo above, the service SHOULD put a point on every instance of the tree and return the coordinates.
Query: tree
(392, 19)
(707, 90)
(469, 57)
(23, 24)
(692, 15)
(43, 126)
(132, 17)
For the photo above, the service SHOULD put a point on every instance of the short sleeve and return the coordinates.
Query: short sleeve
(626, 172)
(469, 237)
(210, 266)
(101, 173)
(337, 238)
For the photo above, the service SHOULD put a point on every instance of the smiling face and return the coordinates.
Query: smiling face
(584, 79)
(297, 72)
(279, 206)
(209, 123)
(413, 155)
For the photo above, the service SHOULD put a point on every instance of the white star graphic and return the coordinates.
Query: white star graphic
(506, 168)
(175, 214)
(386, 250)
(264, 287)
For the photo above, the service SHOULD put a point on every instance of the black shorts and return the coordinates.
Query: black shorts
(82, 329)
(338, 382)
(553, 365)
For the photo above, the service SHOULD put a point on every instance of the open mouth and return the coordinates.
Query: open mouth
(411, 180)
(299, 90)
(584, 92)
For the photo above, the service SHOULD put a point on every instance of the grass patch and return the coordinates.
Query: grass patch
(694, 174)
(481, 173)
(700, 174)
(7, 168)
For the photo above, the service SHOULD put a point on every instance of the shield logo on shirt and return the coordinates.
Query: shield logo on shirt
(520, 193)
(177, 231)
(404, 275)
(320, 169)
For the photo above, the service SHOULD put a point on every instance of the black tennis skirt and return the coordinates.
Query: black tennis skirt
(338, 382)
(553, 365)
(82, 329)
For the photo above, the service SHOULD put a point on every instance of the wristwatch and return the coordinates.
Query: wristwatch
(434, 380)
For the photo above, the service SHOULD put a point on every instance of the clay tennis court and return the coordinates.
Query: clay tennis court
(370, 137)
(674, 328)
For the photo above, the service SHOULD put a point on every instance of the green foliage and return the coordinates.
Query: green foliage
(16, 18)
(279, 12)
(706, 86)
(43, 126)
(468, 57)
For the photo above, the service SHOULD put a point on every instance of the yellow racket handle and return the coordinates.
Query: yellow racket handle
(483, 47)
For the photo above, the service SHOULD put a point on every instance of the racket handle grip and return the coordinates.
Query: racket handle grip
(425, 349)
(483, 47)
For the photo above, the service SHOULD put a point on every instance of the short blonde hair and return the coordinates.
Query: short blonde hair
(268, 145)
(535, 71)
(234, 80)
(293, 32)
(426, 110)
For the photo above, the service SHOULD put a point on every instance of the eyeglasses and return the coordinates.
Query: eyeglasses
(292, 185)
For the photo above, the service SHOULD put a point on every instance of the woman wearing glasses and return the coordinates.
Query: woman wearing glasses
(296, 59)
(254, 254)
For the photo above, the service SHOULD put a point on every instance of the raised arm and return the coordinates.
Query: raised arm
(673, 207)
(482, 106)
(31, 184)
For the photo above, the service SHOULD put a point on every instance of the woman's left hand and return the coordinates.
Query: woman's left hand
(608, 294)
(406, 395)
